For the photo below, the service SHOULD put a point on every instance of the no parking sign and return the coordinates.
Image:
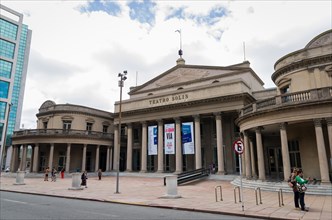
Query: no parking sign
(238, 146)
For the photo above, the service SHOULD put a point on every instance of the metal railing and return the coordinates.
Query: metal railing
(258, 189)
(216, 192)
(280, 197)
(238, 188)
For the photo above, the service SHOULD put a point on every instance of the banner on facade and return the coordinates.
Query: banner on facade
(169, 143)
(188, 138)
(152, 140)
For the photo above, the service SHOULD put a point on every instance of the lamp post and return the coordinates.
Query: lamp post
(3, 146)
(121, 84)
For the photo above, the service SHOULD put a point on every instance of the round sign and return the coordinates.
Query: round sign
(238, 146)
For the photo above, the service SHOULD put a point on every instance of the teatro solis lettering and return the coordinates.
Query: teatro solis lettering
(169, 99)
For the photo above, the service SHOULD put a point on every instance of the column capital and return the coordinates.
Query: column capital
(160, 121)
(283, 125)
(245, 133)
(218, 115)
(196, 117)
(329, 121)
(144, 123)
(177, 119)
(318, 122)
(129, 125)
(259, 129)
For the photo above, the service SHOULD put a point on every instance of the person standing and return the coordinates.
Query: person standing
(99, 174)
(62, 173)
(299, 179)
(47, 170)
(53, 173)
(292, 184)
(84, 178)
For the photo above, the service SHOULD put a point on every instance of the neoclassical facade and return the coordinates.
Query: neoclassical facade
(68, 136)
(293, 128)
(204, 99)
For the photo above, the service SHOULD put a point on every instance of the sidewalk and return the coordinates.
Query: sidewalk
(198, 196)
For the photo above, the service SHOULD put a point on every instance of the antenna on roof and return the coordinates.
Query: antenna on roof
(180, 51)
(244, 51)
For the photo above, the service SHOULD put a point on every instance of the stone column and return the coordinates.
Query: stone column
(285, 151)
(111, 157)
(178, 146)
(24, 158)
(84, 158)
(329, 131)
(35, 158)
(108, 159)
(260, 154)
(144, 147)
(220, 150)
(97, 158)
(50, 159)
(198, 148)
(323, 165)
(252, 158)
(68, 158)
(129, 147)
(31, 159)
(247, 155)
(116, 147)
(13, 159)
(160, 146)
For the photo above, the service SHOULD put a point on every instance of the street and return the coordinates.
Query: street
(26, 206)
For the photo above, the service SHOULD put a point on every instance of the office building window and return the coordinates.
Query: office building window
(89, 126)
(105, 128)
(5, 69)
(4, 89)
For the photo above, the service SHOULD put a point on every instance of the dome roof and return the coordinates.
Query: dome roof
(320, 40)
(47, 104)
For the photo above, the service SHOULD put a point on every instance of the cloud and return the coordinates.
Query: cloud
(110, 7)
(142, 11)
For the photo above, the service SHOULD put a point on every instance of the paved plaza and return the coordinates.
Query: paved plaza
(198, 196)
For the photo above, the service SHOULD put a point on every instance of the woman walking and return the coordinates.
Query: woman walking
(84, 178)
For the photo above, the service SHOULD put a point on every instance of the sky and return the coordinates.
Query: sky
(79, 47)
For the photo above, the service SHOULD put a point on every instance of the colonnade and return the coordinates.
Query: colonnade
(178, 145)
(249, 157)
(35, 157)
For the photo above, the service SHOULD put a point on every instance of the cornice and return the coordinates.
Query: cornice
(326, 59)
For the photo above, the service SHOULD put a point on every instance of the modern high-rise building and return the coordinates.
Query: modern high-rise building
(15, 38)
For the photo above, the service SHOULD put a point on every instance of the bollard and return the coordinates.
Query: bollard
(76, 182)
(260, 195)
(20, 178)
(237, 187)
(216, 193)
(280, 197)
(172, 187)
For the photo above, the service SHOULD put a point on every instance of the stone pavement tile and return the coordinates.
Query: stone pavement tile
(195, 196)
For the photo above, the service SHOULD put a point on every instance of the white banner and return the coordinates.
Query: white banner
(188, 138)
(169, 143)
(152, 140)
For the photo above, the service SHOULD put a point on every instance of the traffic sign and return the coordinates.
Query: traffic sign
(238, 146)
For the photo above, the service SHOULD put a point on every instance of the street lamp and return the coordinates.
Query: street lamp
(121, 83)
(3, 146)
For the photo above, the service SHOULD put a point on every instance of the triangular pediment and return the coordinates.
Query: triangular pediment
(182, 75)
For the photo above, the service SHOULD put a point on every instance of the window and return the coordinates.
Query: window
(136, 135)
(294, 153)
(4, 89)
(105, 128)
(284, 90)
(89, 126)
(66, 125)
(45, 124)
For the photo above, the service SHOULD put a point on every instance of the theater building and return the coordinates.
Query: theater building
(68, 136)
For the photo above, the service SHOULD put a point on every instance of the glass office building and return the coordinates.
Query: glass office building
(15, 38)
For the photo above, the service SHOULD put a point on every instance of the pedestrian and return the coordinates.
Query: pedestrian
(301, 188)
(53, 173)
(62, 173)
(46, 174)
(84, 178)
(292, 184)
(99, 174)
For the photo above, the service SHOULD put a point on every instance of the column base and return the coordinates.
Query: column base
(221, 173)
(160, 171)
(143, 171)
